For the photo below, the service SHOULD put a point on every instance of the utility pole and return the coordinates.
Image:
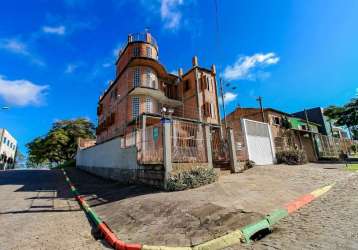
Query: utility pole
(223, 101)
(259, 99)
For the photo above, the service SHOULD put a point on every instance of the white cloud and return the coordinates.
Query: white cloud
(58, 30)
(20, 48)
(22, 92)
(246, 67)
(106, 65)
(229, 97)
(71, 68)
(14, 46)
(170, 14)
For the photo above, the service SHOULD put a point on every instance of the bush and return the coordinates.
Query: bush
(67, 164)
(292, 157)
(249, 164)
(354, 148)
(192, 178)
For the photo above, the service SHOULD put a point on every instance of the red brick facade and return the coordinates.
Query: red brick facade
(143, 85)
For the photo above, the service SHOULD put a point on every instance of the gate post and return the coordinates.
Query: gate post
(208, 146)
(167, 150)
(234, 165)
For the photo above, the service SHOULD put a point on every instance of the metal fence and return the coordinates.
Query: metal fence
(188, 142)
(150, 144)
(219, 146)
(332, 147)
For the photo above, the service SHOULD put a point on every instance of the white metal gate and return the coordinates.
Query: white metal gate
(259, 142)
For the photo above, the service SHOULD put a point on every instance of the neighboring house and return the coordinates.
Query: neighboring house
(327, 126)
(287, 132)
(8, 146)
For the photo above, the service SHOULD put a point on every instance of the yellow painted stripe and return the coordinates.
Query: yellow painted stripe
(227, 240)
(320, 191)
(146, 247)
(215, 244)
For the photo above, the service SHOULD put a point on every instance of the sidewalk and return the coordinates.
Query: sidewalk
(149, 216)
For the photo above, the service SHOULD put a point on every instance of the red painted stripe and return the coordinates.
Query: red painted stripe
(298, 203)
(111, 239)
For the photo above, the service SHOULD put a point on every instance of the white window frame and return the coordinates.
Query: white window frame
(135, 106)
(148, 105)
(136, 77)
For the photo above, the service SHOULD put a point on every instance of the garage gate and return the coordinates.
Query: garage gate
(259, 142)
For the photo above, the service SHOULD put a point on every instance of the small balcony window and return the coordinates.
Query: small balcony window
(136, 51)
(135, 107)
(148, 105)
(136, 78)
(149, 52)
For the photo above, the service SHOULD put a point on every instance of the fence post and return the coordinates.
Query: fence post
(208, 146)
(234, 165)
(167, 150)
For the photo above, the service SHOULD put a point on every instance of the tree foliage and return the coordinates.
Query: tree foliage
(345, 116)
(60, 143)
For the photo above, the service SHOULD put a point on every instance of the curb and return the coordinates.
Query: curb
(106, 232)
(242, 235)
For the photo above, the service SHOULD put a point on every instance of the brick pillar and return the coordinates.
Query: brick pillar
(234, 165)
(167, 150)
(208, 146)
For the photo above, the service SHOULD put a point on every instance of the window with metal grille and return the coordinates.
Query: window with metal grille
(149, 52)
(149, 82)
(148, 105)
(136, 77)
(135, 106)
(136, 51)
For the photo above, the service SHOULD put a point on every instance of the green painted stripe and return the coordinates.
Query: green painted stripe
(94, 217)
(249, 230)
(276, 215)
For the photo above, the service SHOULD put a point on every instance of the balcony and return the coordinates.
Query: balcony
(139, 37)
(156, 94)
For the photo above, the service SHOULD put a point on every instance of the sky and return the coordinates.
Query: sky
(57, 57)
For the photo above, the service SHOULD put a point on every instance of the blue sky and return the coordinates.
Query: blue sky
(57, 56)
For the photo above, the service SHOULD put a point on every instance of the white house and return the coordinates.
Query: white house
(8, 146)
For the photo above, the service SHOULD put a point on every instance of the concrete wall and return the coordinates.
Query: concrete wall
(110, 161)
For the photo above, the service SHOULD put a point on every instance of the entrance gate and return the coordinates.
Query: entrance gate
(259, 143)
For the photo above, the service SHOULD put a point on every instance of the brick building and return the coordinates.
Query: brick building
(288, 132)
(143, 87)
(152, 123)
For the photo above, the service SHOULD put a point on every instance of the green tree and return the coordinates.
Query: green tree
(60, 143)
(345, 116)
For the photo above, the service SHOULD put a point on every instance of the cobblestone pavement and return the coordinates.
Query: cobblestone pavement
(189, 217)
(330, 222)
(37, 212)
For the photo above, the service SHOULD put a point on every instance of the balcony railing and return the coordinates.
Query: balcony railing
(138, 37)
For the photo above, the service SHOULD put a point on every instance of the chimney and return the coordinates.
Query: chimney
(180, 72)
(130, 38)
(195, 61)
(213, 69)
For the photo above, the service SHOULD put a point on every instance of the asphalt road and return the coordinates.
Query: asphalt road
(37, 211)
